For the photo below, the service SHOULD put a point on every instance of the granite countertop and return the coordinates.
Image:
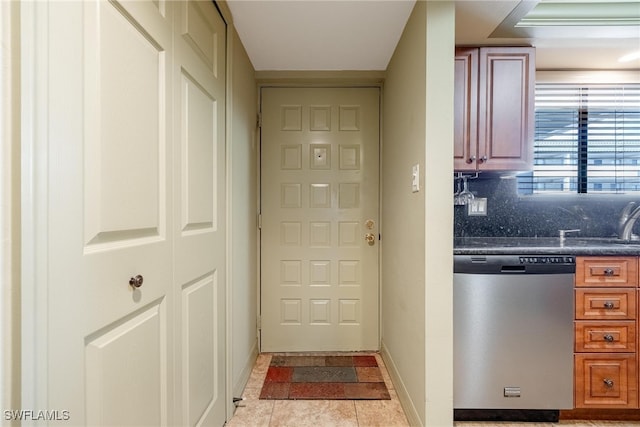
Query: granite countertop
(544, 246)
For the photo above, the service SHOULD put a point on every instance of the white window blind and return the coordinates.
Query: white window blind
(587, 139)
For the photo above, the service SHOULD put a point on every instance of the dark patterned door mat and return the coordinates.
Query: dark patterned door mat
(324, 377)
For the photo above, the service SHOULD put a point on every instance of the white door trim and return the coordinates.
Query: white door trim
(9, 194)
(34, 216)
(229, 407)
(330, 79)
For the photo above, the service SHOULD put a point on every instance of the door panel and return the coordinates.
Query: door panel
(199, 192)
(108, 125)
(320, 159)
(135, 132)
(198, 144)
(200, 348)
(130, 357)
(125, 132)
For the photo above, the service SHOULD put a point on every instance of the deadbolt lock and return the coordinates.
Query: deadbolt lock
(369, 224)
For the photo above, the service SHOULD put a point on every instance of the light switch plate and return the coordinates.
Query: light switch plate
(477, 207)
(415, 178)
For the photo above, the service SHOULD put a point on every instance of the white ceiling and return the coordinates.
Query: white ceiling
(320, 34)
(362, 34)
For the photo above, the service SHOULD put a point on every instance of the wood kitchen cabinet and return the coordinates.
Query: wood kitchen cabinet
(606, 332)
(607, 271)
(494, 108)
(606, 381)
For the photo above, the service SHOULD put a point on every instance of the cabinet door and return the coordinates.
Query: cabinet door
(465, 109)
(506, 108)
(606, 381)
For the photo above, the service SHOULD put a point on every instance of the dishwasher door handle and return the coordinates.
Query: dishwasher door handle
(513, 269)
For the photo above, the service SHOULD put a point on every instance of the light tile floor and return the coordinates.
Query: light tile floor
(317, 413)
(254, 412)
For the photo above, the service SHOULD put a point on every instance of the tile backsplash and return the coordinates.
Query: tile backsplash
(511, 215)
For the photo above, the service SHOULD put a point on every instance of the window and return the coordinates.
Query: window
(587, 139)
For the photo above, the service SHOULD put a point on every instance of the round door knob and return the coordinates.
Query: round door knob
(608, 338)
(136, 281)
(483, 159)
(370, 239)
(607, 382)
(471, 159)
(608, 305)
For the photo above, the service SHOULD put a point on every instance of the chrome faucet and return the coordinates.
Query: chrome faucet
(628, 218)
(563, 234)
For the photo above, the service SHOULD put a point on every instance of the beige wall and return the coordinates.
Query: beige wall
(243, 197)
(417, 227)
(402, 299)
(438, 178)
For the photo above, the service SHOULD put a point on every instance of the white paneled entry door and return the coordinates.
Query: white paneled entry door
(129, 229)
(320, 204)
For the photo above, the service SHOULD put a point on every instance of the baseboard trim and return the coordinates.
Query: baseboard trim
(403, 395)
(238, 387)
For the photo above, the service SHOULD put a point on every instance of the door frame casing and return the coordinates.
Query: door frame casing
(34, 214)
(329, 80)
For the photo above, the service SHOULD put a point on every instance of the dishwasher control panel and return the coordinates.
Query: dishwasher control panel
(514, 264)
(547, 260)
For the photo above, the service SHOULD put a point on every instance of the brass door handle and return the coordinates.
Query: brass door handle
(370, 239)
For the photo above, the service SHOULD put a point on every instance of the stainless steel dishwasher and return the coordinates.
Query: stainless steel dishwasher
(513, 331)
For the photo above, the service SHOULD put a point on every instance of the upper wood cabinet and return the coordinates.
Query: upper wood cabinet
(494, 108)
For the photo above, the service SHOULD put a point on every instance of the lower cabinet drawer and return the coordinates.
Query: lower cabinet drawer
(607, 337)
(607, 271)
(606, 381)
(605, 304)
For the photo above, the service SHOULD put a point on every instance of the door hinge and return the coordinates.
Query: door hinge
(259, 322)
(259, 221)
(259, 120)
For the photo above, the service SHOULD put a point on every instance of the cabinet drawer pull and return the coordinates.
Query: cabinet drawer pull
(608, 272)
(608, 383)
(608, 338)
(471, 159)
(608, 305)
